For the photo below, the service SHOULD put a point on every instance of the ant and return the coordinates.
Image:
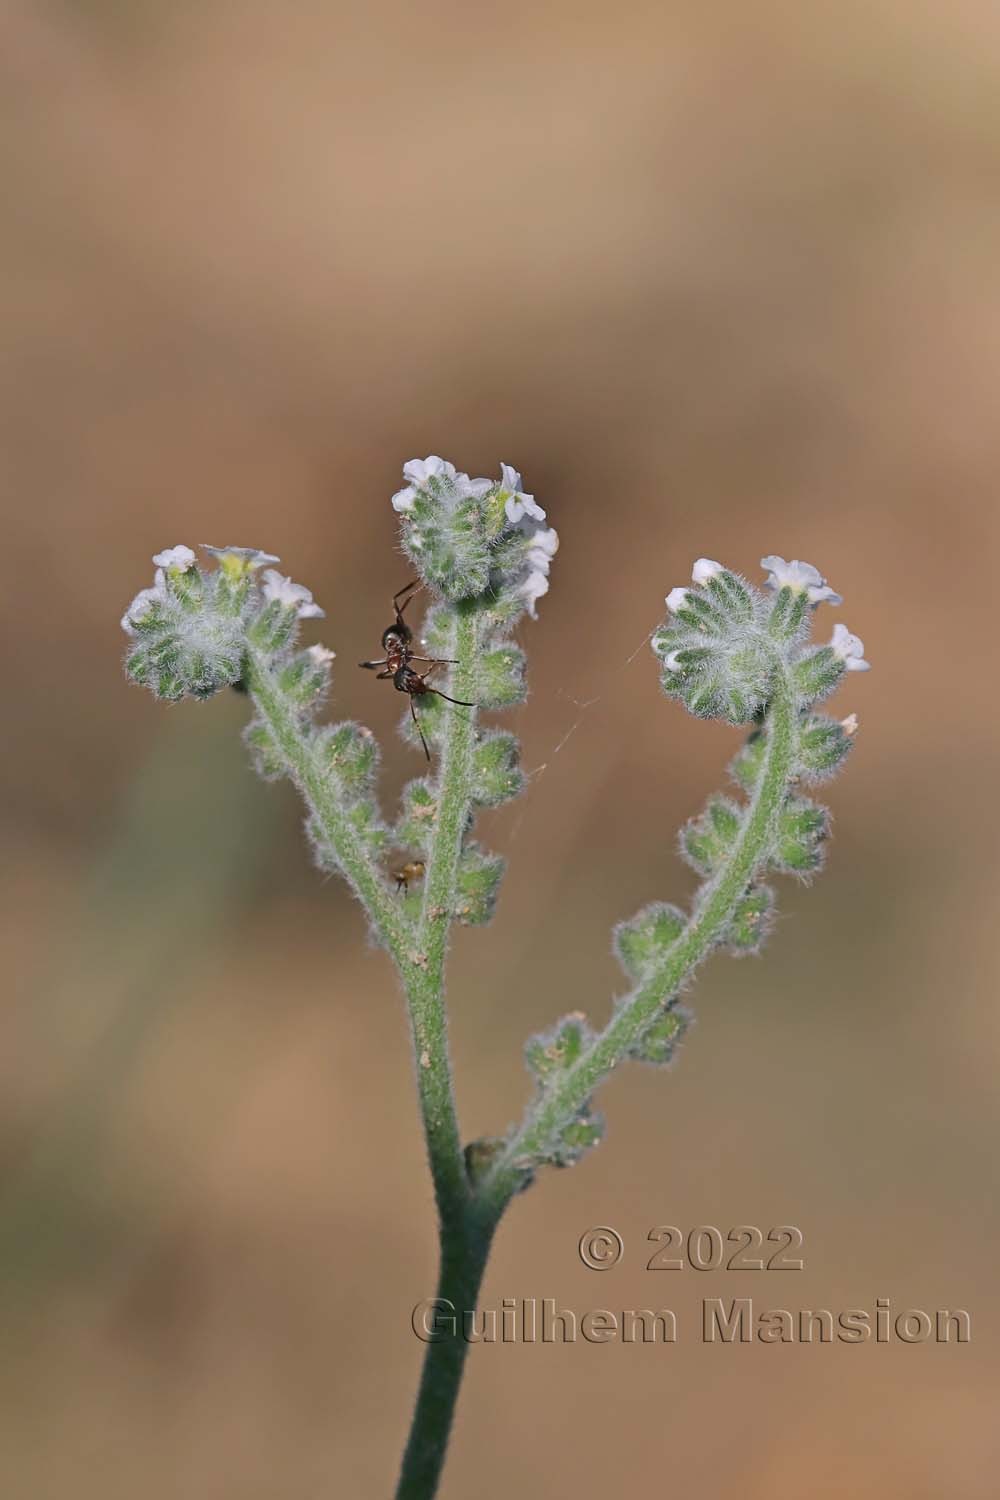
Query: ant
(397, 640)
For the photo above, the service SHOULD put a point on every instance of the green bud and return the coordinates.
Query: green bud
(747, 766)
(500, 677)
(659, 1042)
(706, 840)
(275, 628)
(824, 745)
(789, 616)
(557, 1049)
(575, 1139)
(802, 828)
(268, 760)
(479, 876)
(817, 673)
(364, 818)
(751, 922)
(349, 752)
(643, 942)
(496, 776)
(419, 812)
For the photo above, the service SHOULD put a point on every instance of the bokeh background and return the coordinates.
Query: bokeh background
(720, 279)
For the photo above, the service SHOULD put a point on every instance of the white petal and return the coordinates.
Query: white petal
(676, 599)
(179, 557)
(280, 590)
(705, 569)
(824, 595)
(419, 470)
(534, 586)
(252, 556)
(510, 479)
(672, 662)
(850, 648)
(403, 500)
(321, 656)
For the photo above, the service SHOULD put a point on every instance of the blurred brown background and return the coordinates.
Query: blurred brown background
(719, 279)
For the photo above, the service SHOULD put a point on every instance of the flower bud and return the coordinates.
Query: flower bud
(643, 941)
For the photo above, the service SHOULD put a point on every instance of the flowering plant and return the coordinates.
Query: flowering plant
(483, 551)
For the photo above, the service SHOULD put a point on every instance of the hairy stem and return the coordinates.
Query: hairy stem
(569, 1091)
(463, 1260)
(464, 1246)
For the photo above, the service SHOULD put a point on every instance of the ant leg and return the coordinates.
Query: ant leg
(408, 589)
(371, 665)
(413, 715)
(462, 702)
(436, 661)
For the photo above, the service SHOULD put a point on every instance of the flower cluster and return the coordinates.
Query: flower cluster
(726, 639)
(189, 631)
(469, 537)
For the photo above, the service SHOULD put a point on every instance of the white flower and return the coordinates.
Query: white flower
(251, 557)
(801, 578)
(516, 503)
(534, 586)
(179, 557)
(676, 599)
(850, 649)
(320, 656)
(278, 589)
(451, 486)
(144, 601)
(704, 570)
(543, 543)
(850, 725)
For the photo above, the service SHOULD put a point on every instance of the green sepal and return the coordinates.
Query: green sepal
(660, 1040)
(303, 682)
(268, 760)
(415, 824)
(496, 776)
(817, 673)
(789, 616)
(366, 822)
(500, 677)
(824, 745)
(802, 827)
(348, 752)
(747, 766)
(557, 1049)
(731, 596)
(752, 921)
(275, 628)
(643, 941)
(706, 840)
(477, 885)
(574, 1140)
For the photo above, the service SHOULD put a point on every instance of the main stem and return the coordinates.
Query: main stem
(464, 1243)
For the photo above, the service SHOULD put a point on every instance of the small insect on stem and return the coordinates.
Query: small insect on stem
(397, 643)
(414, 869)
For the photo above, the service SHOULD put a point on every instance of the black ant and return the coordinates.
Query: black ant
(397, 640)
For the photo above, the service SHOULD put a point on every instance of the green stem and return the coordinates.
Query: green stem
(425, 988)
(570, 1091)
(463, 1261)
(319, 791)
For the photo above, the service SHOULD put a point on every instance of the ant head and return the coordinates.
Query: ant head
(397, 635)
